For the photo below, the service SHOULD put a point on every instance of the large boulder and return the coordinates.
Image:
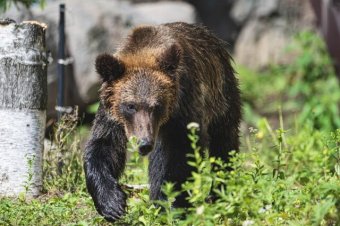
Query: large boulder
(261, 43)
(268, 26)
(163, 12)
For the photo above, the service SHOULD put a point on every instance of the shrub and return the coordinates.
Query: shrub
(307, 89)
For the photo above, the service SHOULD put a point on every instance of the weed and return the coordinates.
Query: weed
(63, 167)
(28, 182)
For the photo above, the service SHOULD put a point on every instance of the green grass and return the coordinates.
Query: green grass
(50, 209)
(287, 173)
(281, 178)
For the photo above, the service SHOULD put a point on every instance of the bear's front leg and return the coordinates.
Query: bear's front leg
(168, 165)
(104, 162)
(168, 162)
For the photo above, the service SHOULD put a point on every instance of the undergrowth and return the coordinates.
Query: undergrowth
(307, 89)
(285, 178)
(281, 177)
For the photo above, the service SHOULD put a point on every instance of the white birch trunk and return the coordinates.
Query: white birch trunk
(23, 96)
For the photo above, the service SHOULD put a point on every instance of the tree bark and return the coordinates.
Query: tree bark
(23, 97)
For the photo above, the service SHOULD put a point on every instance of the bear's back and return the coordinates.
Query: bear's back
(164, 35)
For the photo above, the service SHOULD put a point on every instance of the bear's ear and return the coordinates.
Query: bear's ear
(141, 34)
(170, 58)
(109, 67)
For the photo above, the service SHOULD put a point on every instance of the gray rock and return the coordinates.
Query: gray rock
(269, 29)
(266, 7)
(163, 12)
(261, 44)
(242, 9)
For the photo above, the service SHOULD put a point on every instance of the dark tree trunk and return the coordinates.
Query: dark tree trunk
(328, 19)
(23, 95)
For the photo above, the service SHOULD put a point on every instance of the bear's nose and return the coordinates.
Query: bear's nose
(145, 146)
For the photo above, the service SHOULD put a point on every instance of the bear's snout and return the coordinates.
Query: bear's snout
(145, 146)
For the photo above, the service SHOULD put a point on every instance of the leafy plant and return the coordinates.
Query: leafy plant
(313, 81)
(284, 178)
(6, 4)
(28, 182)
(306, 89)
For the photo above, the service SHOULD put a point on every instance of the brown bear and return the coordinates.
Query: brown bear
(161, 78)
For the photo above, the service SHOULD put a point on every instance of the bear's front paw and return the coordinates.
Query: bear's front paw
(112, 205)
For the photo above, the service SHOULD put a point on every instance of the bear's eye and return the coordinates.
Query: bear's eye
(128, 109)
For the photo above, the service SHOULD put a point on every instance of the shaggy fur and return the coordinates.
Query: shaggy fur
(171, 75)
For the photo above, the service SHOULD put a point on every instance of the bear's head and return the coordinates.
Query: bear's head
(140, 90)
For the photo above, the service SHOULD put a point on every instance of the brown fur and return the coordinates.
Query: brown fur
(145, 47)
(161, 78)
(113, 93)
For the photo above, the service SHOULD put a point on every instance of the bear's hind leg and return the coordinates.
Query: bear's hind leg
(223, 139)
